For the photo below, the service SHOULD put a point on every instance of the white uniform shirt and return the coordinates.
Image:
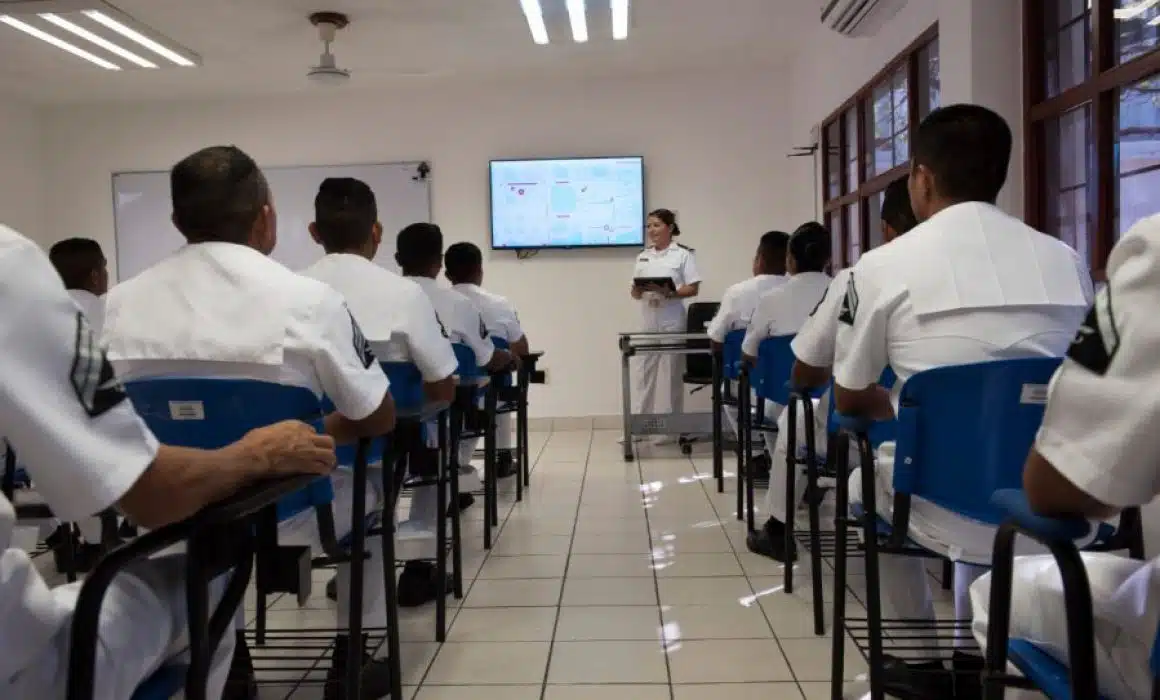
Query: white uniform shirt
(67, 418)
(93, 307)
(226, 310)
(971, 284)
(814, 342)
(675, 262)
(783, 310)
(499, 315)
(394, 314)
(738, 304)
(463, 320)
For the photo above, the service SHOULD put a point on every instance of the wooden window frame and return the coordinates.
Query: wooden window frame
(1101, 90)
(836, 207)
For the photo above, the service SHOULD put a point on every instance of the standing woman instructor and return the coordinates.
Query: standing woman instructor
(663, 309)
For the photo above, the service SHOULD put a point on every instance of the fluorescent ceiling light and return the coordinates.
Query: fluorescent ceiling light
(1134, 11)
(535, 15)
(99, 41)
(619, 19)
(129, 33)
(578, 20)
(57, 42)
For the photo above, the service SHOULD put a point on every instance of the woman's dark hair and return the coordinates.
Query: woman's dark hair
(810, 247)
(667, 218)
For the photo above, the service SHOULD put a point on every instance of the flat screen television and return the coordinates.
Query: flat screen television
(567, 203)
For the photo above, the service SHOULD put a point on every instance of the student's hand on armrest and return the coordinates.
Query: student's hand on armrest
(287, 448)
(521, 348)
(379, 423)
(872, 403)
(500, 359)
(442, 391)
(1052, 494)
(809, 377)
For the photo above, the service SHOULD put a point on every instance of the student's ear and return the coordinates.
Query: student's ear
(313, 228)
(377, 233)
(266, 230)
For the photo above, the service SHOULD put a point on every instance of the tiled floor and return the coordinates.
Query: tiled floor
(617, 581)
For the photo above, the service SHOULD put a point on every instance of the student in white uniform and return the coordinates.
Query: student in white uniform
(663, 309)
(398, 321)
(220, 308)
(813, 349)
(739, 302)
(969, 284)
(88, 451)
(81, 263)
(1097, 453)
(464, 269)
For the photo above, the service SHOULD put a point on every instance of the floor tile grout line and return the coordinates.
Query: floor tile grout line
(656, 579)
(567, 562)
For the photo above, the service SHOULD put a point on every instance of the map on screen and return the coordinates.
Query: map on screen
(567, 203)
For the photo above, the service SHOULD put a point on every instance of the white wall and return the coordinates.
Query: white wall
(21, 169)
(714, 150)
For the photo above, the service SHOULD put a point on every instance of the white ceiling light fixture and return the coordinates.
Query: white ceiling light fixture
(132, 34)
(57, 42)
(534, 13)
(95, 39)
(578, 20)
(619, 19)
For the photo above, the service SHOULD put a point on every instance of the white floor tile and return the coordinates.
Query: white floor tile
(617, 623)
(687, 622)
(607, 662)
(728, 661)
(739, 691)
(609, 591)
(489, 663)
(503, 593)
(608, 692)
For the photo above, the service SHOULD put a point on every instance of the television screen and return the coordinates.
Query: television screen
(567, 203)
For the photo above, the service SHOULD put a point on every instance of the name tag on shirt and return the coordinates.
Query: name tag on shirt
(1033, 394)
(186, 410)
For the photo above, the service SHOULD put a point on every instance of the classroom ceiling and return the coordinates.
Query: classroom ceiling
(263, 47)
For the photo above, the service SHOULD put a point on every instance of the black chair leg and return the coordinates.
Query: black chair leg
(790, 488)
(838, 655)
(948, 574)
(814, 504)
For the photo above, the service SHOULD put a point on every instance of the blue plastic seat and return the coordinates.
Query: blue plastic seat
(731, 354)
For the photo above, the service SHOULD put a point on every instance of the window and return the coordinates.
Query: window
(867, 145)
(1093, 119)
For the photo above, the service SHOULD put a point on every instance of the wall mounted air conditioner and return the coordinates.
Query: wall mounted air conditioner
(859, 18)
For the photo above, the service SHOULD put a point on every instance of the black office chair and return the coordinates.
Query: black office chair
(698, 368)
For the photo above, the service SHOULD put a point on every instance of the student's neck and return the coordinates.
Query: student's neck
(353, 251)
(939, 204)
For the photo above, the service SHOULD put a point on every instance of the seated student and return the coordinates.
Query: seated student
(1097, 453)
(464, 269)
(88, 451)
(969, 284)
(396, 317)
(740, 300)
(220, 308)
(813, 348)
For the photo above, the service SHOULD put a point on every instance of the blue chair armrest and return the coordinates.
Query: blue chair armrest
(1014, 504)
(852, 424)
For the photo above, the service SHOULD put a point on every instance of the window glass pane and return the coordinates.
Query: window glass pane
(874, 220)
(850, 119)
(1137, 153)
(833, 159)
(1137, 28)
(929, 67)
(853, 234)
(1067, 40)
(834, 223)
(1069, 178)
(901, 92)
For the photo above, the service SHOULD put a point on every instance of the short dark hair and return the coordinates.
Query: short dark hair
(968, 148)
(75, 260)
(810, 247)
(896, 209)
(218, 193)
(418, 246)
(668, 218)
(345, 212)
(462, 261)
(773, 245)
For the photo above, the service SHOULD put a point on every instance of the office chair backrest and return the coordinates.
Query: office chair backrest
(212, 413)
(731, 354)
(964, 432)
(699, 368)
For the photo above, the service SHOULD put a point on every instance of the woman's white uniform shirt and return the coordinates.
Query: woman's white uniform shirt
(85, 447)
(1099, 432)
(667, 315)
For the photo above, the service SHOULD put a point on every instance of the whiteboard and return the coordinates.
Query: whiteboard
(144, 232)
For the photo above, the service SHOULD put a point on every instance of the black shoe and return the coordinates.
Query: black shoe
(968, 675)
(916, 681)
(241, 683)
(769, 541)
(332, 588)
(417, 584)
(376, 673)
(505, 464)
(761, 465)
(87, 556)
(466, 500)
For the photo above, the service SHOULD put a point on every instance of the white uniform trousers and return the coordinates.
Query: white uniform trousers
(143, 625)
(1126, 610)
(775, 496)
(768, 441)
(655, 367)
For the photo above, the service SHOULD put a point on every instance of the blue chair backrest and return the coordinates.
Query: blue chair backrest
(771, 376)
(731, 354)
(406, 386)
(212, 413)
(964, 432)
(503, 344)
(468, 369)
(1155, 658)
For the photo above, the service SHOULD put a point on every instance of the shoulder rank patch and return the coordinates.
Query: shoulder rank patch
(691, 250)
(1098, 338)
(92, 376)
(482, 328)
(849, 303)
(362, 348)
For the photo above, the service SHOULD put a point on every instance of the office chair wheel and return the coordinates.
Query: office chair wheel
(686, 448)
(628, 458)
